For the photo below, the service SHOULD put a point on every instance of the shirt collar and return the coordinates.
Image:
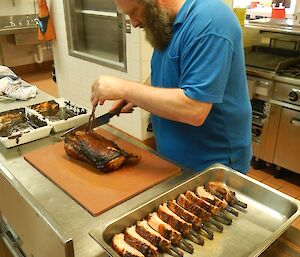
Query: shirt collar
(182, 14)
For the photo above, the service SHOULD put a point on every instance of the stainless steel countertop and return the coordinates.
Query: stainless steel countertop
(18, 29)
(275, 25)
(64, 214)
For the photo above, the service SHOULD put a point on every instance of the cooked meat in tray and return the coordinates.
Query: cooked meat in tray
(18, 121)
(53, 111)
(61, 114)
(192, 215)
(219, 212)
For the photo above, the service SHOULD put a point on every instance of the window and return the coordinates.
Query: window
(96, 32)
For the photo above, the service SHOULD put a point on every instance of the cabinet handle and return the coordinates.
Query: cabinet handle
(295, 122)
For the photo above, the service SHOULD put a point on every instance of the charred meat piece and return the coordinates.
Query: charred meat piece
(48, 108)
(102, 153)
(222, 204)
(168, 232)
(179, 224)
(132, 238)
(221, 191)
(124, 249)
(145, 231)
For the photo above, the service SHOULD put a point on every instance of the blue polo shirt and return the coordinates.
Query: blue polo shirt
(205, 58)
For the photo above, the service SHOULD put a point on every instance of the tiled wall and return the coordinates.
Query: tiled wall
(75, 76)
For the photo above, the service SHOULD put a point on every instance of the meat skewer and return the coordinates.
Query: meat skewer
(132, 238)
(168, 232)
(124, 249)
(185, 228)
(203, 194)
(214, 210)
(201, 213)
(221, 191)
(144, 230)
(189, 217)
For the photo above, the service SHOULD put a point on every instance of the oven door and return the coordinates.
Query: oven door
(288, 140)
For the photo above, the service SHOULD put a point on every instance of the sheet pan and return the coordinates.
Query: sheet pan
(268, 215)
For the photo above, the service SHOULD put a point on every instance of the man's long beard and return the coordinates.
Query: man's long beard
(158, 25)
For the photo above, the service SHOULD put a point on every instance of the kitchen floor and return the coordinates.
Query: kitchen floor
(288, 183)
(43, 80)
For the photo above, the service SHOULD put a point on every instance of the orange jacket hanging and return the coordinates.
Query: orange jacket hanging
(46, 29)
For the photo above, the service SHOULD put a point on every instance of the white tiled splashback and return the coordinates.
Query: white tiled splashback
(75, 76)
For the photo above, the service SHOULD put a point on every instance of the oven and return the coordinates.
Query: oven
(274, 87)
(260, 92)
(286, 102)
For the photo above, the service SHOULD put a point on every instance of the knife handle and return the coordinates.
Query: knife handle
(117, 110)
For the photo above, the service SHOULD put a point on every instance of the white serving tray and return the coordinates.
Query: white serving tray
(25, 136)
(71, 122)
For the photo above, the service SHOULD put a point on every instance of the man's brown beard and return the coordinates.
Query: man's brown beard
(158, 25)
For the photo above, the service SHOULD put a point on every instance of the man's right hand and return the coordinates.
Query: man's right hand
(127, 107)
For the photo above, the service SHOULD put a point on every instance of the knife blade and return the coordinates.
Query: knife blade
(101, 120)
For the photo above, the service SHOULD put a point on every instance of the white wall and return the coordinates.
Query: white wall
(75, 76)
(21, 7)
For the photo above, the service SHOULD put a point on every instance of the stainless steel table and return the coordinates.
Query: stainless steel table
(48, 222)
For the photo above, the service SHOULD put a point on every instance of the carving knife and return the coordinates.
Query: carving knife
(101, 120)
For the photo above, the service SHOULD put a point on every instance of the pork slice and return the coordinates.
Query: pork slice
(165, 214)
(141, 244)
(144, 230)
(193, 208)
(124, 249)
(201, 203)
(164, 229)
(184, 214)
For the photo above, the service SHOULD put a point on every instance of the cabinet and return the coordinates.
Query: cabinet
(288, 140)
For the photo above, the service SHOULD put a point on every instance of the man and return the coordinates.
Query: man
(199, 102)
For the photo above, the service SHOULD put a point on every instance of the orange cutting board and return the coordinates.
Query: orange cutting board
(94, 190)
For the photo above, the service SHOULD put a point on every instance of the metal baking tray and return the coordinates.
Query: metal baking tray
(61, 114)
(268, 215)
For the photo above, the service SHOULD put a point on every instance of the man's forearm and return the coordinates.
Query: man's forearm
(168, 103)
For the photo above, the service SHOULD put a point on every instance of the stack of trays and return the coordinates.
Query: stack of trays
(19, 126)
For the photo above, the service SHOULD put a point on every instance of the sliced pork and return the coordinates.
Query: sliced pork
(168, 232)
(198, 211)
(221, 191)
(214, 210)
(179, 224)
(132, 238)
(144, 230)
(124, 249)
(220, 203)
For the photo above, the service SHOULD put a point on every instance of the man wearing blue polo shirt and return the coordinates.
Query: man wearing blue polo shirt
(199, 101)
